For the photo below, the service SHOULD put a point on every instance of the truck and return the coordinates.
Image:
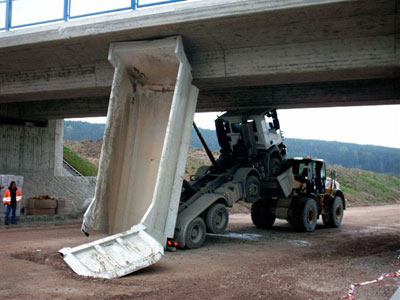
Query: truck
(252, 150)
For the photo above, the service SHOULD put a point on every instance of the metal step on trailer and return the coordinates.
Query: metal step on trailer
(71, 169)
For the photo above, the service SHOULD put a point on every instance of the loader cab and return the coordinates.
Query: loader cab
(312, 172)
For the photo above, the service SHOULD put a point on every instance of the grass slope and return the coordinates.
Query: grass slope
(367, 188)
(85, 167)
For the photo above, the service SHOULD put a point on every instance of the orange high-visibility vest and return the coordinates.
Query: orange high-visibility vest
(7, 196)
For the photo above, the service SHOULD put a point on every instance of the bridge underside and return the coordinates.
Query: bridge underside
(243, 53)
(325, 94)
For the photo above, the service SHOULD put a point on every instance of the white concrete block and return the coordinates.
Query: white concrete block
(146, 140)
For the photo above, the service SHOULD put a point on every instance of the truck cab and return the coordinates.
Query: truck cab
(252, 136)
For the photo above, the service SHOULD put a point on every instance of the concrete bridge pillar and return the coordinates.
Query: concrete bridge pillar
(31, 148)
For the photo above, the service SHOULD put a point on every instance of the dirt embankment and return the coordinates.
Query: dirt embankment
(90, 150)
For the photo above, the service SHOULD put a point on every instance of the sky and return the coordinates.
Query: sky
(370, 125)
(32, 11)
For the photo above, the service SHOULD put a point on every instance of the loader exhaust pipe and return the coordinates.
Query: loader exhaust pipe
(203, 142)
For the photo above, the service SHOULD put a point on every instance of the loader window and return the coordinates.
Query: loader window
(323, 172)
(303, 168)
(301, 171)
(320, 177)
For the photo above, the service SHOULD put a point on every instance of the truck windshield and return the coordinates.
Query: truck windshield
(236, 127)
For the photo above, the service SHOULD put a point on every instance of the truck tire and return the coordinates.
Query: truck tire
(217, 218)
(305, 214)
(253, 189)
(195, 233)
(274, 166)
(261, 215)
(335, 211)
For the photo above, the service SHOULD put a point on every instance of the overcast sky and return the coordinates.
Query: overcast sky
(372, 125)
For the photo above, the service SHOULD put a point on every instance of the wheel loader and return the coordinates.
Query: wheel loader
(312, 194)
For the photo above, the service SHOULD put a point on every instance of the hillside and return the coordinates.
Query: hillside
(366, 157)
(367, 188)
(79, 131)
(360, 187)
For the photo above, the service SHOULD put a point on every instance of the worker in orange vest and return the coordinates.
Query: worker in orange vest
(12, 196)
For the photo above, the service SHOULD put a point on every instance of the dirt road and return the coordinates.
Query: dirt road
(244, 264)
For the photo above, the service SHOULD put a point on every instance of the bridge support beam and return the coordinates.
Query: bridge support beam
(31, 147)
(150, 114)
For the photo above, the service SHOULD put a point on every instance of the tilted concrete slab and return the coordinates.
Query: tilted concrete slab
(147, 137)
(143, 159)
(230, 44)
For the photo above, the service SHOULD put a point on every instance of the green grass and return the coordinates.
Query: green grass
(367, 188)
(82, 165)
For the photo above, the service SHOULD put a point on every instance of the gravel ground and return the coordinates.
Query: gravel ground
(245, 263)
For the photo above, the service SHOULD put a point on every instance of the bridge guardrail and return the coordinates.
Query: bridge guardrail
(22, 13)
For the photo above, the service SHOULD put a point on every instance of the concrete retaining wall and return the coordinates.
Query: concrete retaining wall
(73, 192)
(32, 150)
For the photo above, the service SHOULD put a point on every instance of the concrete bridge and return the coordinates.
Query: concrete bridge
(286, 53)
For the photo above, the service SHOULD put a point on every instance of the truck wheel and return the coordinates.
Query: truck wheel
(274, 166)
(195, 233)
(253, 189)
(335, 210)
(305, 214)
(261, 215)
(217, 218)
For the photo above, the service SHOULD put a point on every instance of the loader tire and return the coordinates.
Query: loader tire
(275, 165)
(260, 214)
(217, 218)
(335, 211)
(195, 233)
(305, 214)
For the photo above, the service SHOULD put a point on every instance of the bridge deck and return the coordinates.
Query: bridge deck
(243, 53)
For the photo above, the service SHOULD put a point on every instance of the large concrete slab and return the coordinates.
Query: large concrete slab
(143, 159)
(142, 163)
